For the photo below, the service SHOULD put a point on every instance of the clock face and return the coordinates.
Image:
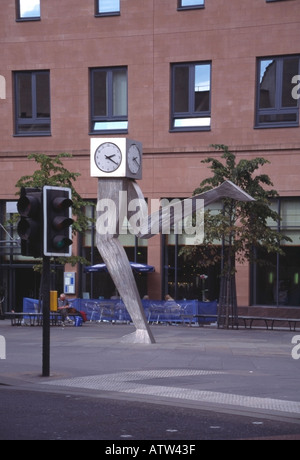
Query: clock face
(134, 159)
(108, 157)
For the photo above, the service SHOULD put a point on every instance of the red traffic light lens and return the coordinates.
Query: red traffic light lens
(61, 203)
(62, 222)
(28, 206)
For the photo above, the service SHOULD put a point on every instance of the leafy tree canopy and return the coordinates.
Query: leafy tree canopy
(243, 226)
(52, 172)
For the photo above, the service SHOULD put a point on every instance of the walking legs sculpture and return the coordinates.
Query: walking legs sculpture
(117, 263)
(112, 251)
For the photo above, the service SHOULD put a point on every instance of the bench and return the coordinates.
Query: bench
(35, 319)
(270, 321)
(206, 317)
(249, 320)
(18, 319)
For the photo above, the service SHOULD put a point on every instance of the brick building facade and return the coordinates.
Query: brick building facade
(177, 75)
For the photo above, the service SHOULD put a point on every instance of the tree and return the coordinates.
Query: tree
(52, 172)
(242, 227)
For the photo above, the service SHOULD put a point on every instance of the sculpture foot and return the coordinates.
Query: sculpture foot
(139, 336)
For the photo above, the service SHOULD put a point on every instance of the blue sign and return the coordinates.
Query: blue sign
(69, 283)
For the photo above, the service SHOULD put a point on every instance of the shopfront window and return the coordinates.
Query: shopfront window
(277, 282)
(18, 279)
(100, 284)
(182, 273)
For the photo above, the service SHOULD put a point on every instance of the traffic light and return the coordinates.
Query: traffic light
(57, 221)
(30, 226)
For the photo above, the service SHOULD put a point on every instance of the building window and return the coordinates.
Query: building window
(277, 105)
(191, 94)
(107, 7)
(109, 100)
(277, 281)
(28, 10)
(190, 4)
(32, 103)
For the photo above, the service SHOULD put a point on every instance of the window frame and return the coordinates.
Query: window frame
(19, 18)
(191, 114)
(98, 12)
(181, 7)
(34, 120)
(109, 117)
(279, 109)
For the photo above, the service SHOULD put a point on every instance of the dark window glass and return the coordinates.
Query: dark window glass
(100, 92)
(181, 89)
(24, 95)
(277, 105)
(109, 100)
(191, 94)
(290, 69)
(32, 101)
(42, 95)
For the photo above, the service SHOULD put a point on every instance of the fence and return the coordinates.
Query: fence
(156, 311)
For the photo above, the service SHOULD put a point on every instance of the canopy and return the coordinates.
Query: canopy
(138, 268)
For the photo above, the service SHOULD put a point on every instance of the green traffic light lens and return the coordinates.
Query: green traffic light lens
(61, 242)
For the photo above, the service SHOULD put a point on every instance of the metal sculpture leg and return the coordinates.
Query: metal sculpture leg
(115, 258)
(112, 251)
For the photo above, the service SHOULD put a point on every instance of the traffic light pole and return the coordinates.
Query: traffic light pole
(46, 316)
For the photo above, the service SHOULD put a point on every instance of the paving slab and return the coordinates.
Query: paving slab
(237, 371)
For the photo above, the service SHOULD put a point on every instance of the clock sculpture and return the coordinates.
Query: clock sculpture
(117, 163)
(116, 158)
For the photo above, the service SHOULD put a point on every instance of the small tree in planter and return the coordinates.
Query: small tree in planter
(242, 227)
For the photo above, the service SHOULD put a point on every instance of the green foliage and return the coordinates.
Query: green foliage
(52, 172)
(243, 226)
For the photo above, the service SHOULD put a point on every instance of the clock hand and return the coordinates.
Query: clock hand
(135, 159)
(111, 159)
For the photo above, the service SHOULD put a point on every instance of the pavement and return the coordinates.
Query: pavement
(251, 373)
